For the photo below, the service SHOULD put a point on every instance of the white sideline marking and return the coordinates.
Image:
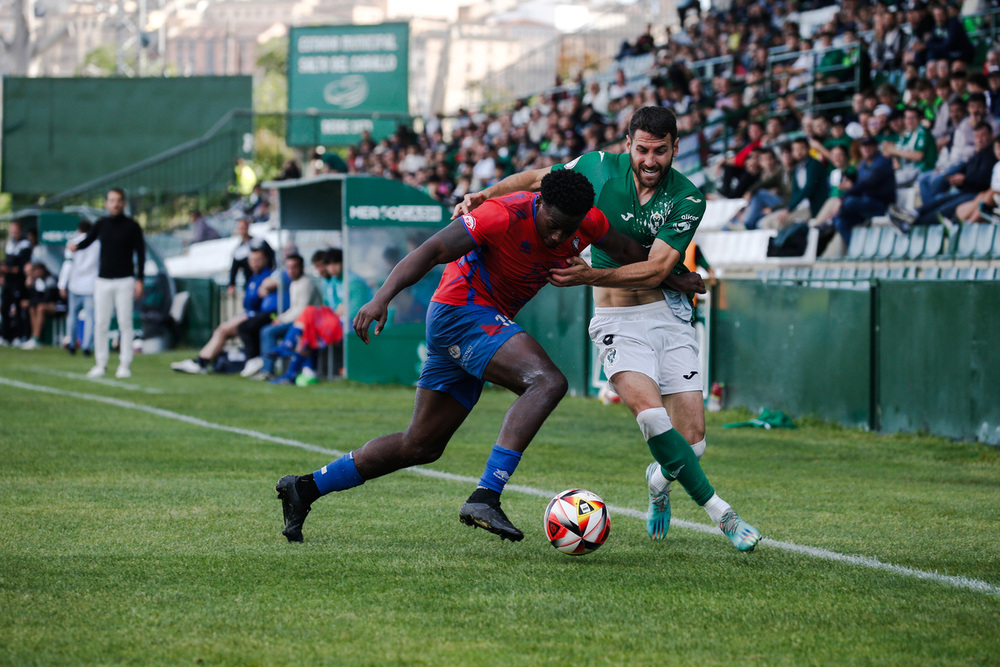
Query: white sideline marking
(873, 563)
(83, 376)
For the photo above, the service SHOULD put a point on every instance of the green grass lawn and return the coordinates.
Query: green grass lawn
(138, 538)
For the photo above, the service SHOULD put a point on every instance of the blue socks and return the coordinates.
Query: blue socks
(499, 467)
(339, 475)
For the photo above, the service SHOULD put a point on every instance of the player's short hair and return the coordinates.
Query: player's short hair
(568, 192)
(657, 121)
(296, 257)
(334, 256)
(318, 257)
(120, 191)
(84, 227)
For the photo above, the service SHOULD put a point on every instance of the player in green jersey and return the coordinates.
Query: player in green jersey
(644, 332)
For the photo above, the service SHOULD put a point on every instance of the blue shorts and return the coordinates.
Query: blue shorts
(461, 340)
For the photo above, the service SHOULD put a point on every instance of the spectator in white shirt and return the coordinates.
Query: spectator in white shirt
(76, 284)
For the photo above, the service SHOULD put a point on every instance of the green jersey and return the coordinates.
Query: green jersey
(672, 214)
(919, 140)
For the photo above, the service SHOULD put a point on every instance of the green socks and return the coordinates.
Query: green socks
(674, 454)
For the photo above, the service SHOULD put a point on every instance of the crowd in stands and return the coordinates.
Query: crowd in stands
(780, 119)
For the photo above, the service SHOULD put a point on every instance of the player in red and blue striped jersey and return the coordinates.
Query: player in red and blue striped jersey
(497, 260)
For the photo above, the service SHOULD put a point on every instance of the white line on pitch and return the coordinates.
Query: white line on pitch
(82, 376)
(823, 554)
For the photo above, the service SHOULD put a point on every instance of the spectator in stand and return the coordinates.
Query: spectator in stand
(944, 125)
(961, 147)
(809, 189)
(993, 91)
(290, 170)
(737, 181)
(974, 177)
(252, 302)
(769, 192)
(915, 153)
(42, 301)
(76, 283)
(948, 39)
(299, 291)
(985, 202)
(870, 195)
(12, 272)
(201, 230)
(841, 177)
(241, 255)
(887, 46)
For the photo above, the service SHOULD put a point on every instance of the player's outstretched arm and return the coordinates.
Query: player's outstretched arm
(649, 273)
(446, 246)
(525, 181)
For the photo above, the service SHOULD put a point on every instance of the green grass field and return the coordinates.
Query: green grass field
(144, 530)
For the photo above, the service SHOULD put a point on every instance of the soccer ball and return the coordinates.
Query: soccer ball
(577, 522)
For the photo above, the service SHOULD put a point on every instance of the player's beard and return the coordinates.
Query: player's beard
(651, 181)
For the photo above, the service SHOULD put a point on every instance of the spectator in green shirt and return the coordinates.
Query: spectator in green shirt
(915, 151)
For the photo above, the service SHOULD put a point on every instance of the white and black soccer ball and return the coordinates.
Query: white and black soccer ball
(577, 522)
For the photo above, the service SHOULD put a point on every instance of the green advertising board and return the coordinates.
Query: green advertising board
(346, 80)
(55, 228)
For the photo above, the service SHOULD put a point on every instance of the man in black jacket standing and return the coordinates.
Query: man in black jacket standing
(119, 280)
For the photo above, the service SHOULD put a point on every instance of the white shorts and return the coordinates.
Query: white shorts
(648, 339)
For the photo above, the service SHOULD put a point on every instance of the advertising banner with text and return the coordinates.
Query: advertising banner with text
(346, 80)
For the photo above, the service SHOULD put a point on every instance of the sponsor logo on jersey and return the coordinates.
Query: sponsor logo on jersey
(526, 246)
(682, 226)
(576, 243)
(696, 201)
(673, 474)
(627, 216)
(572, 163)
(690, 375)
(455, 351)
(688, 216)
(469, 221)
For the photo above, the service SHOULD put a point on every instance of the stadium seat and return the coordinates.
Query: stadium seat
(880, 272)
(861, 277)
(985, 243)
(949, 273)
(901, 248)
(857, 245)
(986, 273)
(967, 273)
(918, 239)
(931, 273)
(934, 246)
(872, 242)
(896, 273)
(965, 247)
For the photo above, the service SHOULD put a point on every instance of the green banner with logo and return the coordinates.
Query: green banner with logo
(55, 228)
(346, 80)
